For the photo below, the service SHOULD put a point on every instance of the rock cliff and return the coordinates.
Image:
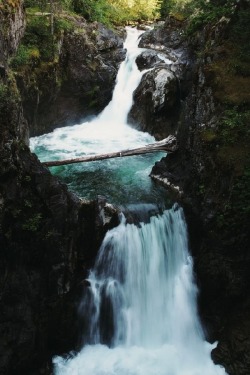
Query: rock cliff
(48, 237)
(211, 170)
(75, 81)
(164, 85)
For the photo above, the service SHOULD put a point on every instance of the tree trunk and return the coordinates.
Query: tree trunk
(168, 144)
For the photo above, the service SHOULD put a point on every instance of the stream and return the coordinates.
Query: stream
(139, 313)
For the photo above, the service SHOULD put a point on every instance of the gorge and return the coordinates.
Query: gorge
(49, 237)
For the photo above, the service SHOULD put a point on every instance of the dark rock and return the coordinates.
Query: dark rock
(48, 240)
(147, 59)
(234, 345)
(12, 28)
(158, 98)
(156, 103)
(164, 37)
(79, 86)
(220, 249)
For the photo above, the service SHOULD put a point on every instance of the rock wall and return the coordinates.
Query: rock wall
(165, 83)
(208, 180)
(78, 84)
(12, 28)
(48, 239)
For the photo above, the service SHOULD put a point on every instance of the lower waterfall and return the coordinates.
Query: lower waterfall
(140, 309)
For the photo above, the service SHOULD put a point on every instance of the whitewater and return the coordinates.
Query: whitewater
(140, 306)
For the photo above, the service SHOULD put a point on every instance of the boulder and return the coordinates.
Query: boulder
(156, 101)
(147, 59)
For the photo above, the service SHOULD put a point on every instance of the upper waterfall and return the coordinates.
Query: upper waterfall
(127, 80)
(123, 181)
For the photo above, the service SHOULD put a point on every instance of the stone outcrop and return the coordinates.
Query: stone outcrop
(164, 85)
(156, 96)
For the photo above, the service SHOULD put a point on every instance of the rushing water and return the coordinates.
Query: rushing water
(139, 311)
(123, 180)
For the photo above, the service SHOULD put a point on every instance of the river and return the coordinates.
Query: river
(139, 313)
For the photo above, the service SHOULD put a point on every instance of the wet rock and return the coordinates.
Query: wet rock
(156, 96)
(147, 59)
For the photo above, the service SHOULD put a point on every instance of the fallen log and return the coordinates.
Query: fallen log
(168, 144)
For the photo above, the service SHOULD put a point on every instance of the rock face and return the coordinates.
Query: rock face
(157, 99)
(48, 239)
(79, 85)
(209, 182)
(12, 29)
(156, 95)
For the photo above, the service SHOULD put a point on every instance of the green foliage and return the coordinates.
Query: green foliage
(9, 96)
(202, 12)
(198, 12)
(92, 10)
(38, 33)
(44, 5)
(24, 56)
(235, 214)
(116, 11)
(241, 192)
(3, 92)
(9, 6)
(235, 126)
(240, 37)
(32, 224)
(63, 24)
(38, 44)
(174, 7)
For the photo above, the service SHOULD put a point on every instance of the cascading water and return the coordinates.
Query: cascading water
(139, 310)
(122, 181)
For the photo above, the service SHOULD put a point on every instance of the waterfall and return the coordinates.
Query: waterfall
(127, 80)
(139, 310)
(121, 181)
(140, 307)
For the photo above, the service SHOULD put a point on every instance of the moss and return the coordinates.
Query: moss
(234, 215)
(9, 6)
(178, 16)
(229, 87)
(32, 224)
(208, 135)
(9, 95)
(234, 156)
